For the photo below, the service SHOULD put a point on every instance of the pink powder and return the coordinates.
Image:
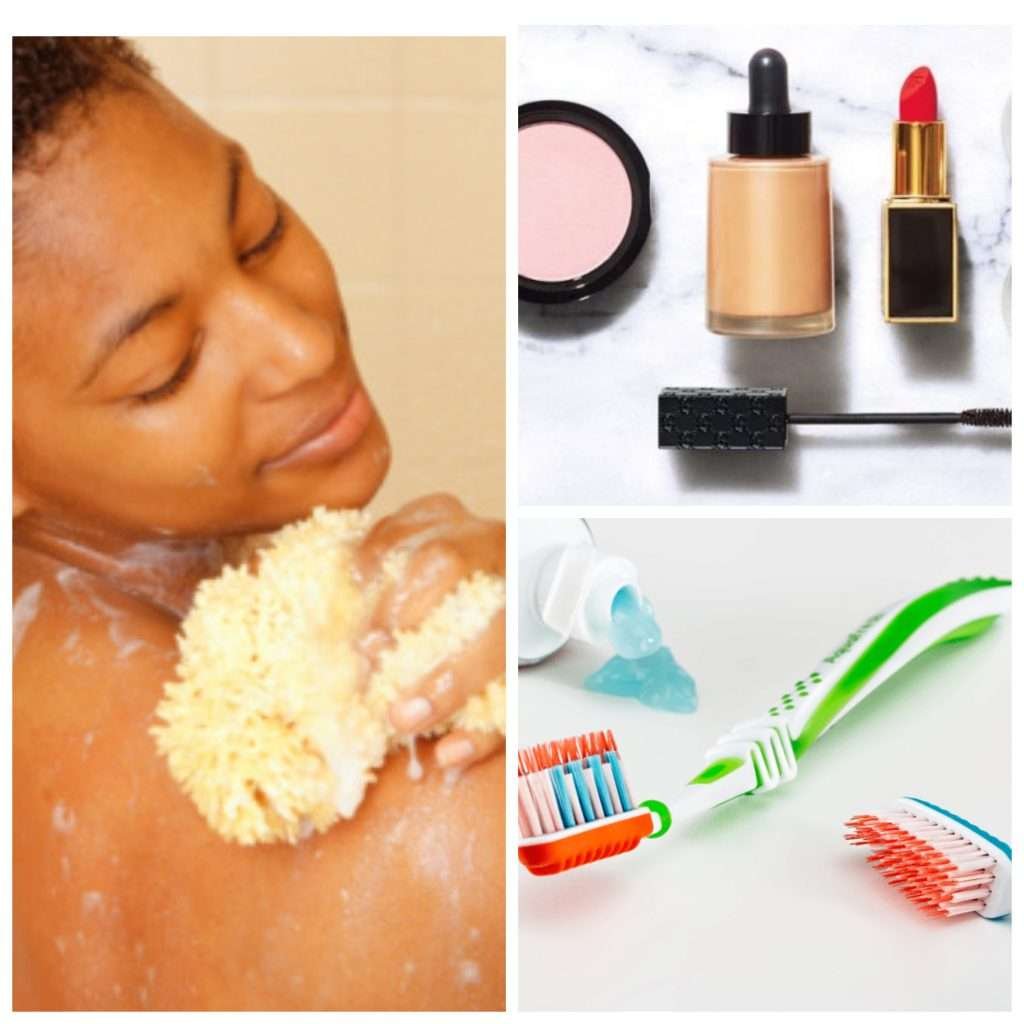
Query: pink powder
(574, 201)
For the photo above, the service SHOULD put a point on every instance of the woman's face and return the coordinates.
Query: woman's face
(178, 337)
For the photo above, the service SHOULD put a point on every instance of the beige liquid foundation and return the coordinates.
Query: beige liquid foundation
(770, 271)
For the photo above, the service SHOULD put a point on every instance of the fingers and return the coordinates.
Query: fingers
(463, 747)
(433, 571)
(447, 554)
(441, 693)
(411, 522)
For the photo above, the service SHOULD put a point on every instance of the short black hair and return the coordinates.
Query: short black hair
(52, 72)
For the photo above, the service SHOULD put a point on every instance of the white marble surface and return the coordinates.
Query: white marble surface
(589, 375)
(760, 905)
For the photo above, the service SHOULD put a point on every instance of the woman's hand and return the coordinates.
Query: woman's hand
(445, 544)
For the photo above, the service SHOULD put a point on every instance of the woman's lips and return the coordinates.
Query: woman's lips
(344, 427)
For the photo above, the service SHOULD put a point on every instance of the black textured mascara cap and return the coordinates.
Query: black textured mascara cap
(722, 419)
(769, 128)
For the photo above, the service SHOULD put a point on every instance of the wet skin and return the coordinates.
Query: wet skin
(148, 237)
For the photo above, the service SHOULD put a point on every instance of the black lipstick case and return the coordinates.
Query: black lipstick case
(919, 250)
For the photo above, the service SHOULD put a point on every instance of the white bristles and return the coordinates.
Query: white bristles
(543, 801)
(613, 792)
(529, 820)
(595, 800)
(574, 800)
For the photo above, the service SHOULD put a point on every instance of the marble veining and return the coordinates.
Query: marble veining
(590, 374)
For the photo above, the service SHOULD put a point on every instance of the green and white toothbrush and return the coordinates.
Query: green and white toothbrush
(571, 814)
(762, 753)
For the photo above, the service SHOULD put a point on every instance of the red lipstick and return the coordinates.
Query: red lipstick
(919, 230)
(919, 100)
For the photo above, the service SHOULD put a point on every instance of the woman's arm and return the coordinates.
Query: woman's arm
(124, 898)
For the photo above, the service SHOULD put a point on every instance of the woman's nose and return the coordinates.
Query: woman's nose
(279, 343)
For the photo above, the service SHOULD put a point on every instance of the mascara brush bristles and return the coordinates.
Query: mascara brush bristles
(986, 418)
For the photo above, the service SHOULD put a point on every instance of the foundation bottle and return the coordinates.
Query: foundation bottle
(770, 272)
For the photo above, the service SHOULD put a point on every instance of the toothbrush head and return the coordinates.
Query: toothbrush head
(575, 806)
(938, 860)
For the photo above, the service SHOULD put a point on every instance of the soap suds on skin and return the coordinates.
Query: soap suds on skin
(415, 770)
(63, 818)
(468, 973)
(92, 899)
(75, 584)
(426, 579)
(204, 477)
(151, 569)
(26, 608)
(76, 652)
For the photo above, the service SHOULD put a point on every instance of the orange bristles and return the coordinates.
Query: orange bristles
(573, 748)
(937, 870)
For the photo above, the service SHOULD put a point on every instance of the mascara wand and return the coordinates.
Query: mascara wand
(756, 419)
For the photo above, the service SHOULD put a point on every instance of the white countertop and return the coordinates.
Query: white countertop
(762, 905)
(589, 374)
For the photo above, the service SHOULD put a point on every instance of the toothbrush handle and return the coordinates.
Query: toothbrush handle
(761, 754)
(881, 647)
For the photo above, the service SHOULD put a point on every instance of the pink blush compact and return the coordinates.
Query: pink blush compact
(584, 201)
(574, 201)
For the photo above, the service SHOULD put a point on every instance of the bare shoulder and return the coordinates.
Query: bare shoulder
(89, 664)
(123, 898)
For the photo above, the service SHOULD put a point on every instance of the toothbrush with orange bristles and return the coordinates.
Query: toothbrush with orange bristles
(579, 780)
(575, 806)
(942, 863)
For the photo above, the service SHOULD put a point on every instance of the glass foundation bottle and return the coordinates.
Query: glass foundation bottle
(769, 260)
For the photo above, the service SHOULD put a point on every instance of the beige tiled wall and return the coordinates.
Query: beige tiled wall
(392, 150)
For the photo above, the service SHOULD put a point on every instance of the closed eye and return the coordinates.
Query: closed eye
(271, 238)
(175, 381)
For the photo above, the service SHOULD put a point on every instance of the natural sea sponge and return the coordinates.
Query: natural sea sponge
(273, 726)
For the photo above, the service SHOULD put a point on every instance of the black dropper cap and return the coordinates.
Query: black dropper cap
(769, 127)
